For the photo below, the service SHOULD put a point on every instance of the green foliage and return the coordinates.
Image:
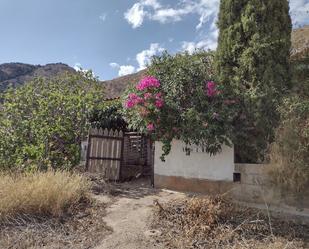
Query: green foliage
(188, 113)
(110, 116)
(289, 152)
(43, 122)
(252, 61)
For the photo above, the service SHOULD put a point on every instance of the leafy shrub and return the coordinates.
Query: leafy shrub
(180, 99)
(290, 151)
(43, 122)
(110, 116)
(49, 193)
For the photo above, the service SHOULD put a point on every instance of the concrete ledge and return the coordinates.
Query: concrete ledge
(192, 184)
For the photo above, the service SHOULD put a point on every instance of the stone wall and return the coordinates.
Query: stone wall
(255, 189)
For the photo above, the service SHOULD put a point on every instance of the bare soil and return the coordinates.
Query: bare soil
(130, 216)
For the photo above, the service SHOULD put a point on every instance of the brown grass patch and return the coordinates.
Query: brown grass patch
(49, 193)
(214, 222)
(83, 228)
(49, 210)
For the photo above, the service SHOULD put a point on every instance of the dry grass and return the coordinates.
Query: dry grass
(217, 223)
(83, 228)
(49, 193)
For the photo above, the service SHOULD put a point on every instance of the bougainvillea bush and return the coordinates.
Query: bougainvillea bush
(181, 99)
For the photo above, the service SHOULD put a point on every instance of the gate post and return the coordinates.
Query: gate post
(88, 149)
(122, 158)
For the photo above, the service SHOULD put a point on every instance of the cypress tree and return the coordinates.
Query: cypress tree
(252, 61)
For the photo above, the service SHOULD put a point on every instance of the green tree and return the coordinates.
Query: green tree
(252, 60)
(43, 122)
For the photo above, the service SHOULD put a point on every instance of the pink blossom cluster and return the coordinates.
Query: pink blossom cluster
(159, 101)
(150, 127)
(133, 100)
(148, 82)
(211, 89)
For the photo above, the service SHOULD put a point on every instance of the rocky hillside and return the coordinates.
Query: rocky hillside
(17, 74)
(114, 88)
(300, 42)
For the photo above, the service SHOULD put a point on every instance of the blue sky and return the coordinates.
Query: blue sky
(111, 37)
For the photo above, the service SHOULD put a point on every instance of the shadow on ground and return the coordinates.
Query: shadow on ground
(134, 189)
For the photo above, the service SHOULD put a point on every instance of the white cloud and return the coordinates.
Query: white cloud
(171, 15)
(152, 3)
(153, 10)
(114, 65)
(135, 15)
(126, 69)
(144, 57)
(203, 44)
(77, 66)
(123, 69)
(299, 11)
(103, 17)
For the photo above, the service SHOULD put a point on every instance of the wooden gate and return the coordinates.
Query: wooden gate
(105, 152)
(118, 155)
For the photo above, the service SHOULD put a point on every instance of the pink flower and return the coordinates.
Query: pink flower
(158, 95)
(132, 96)
(211, 90)
(139, 100)
(159, 103)
(148, 82)
(129, 104)
(150, 127)
(147, 96)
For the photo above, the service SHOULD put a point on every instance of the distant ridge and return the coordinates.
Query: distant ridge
(16, 74)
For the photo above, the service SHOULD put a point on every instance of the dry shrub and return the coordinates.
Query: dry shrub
(49, 193)
(215, 222)
(289, 166)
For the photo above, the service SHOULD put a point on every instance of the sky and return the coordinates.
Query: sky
(111, 37)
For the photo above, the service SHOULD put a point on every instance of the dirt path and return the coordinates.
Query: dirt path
(129, 217)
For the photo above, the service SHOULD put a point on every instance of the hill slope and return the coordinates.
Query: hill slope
(114, 88)
(300, 42)
(17, 74)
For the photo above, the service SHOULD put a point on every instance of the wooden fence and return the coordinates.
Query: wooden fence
(105, 152)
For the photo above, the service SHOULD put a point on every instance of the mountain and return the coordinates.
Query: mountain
(114, 88)
(16, 74)
(300, 42)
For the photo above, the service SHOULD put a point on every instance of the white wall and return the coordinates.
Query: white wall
(197, 165)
